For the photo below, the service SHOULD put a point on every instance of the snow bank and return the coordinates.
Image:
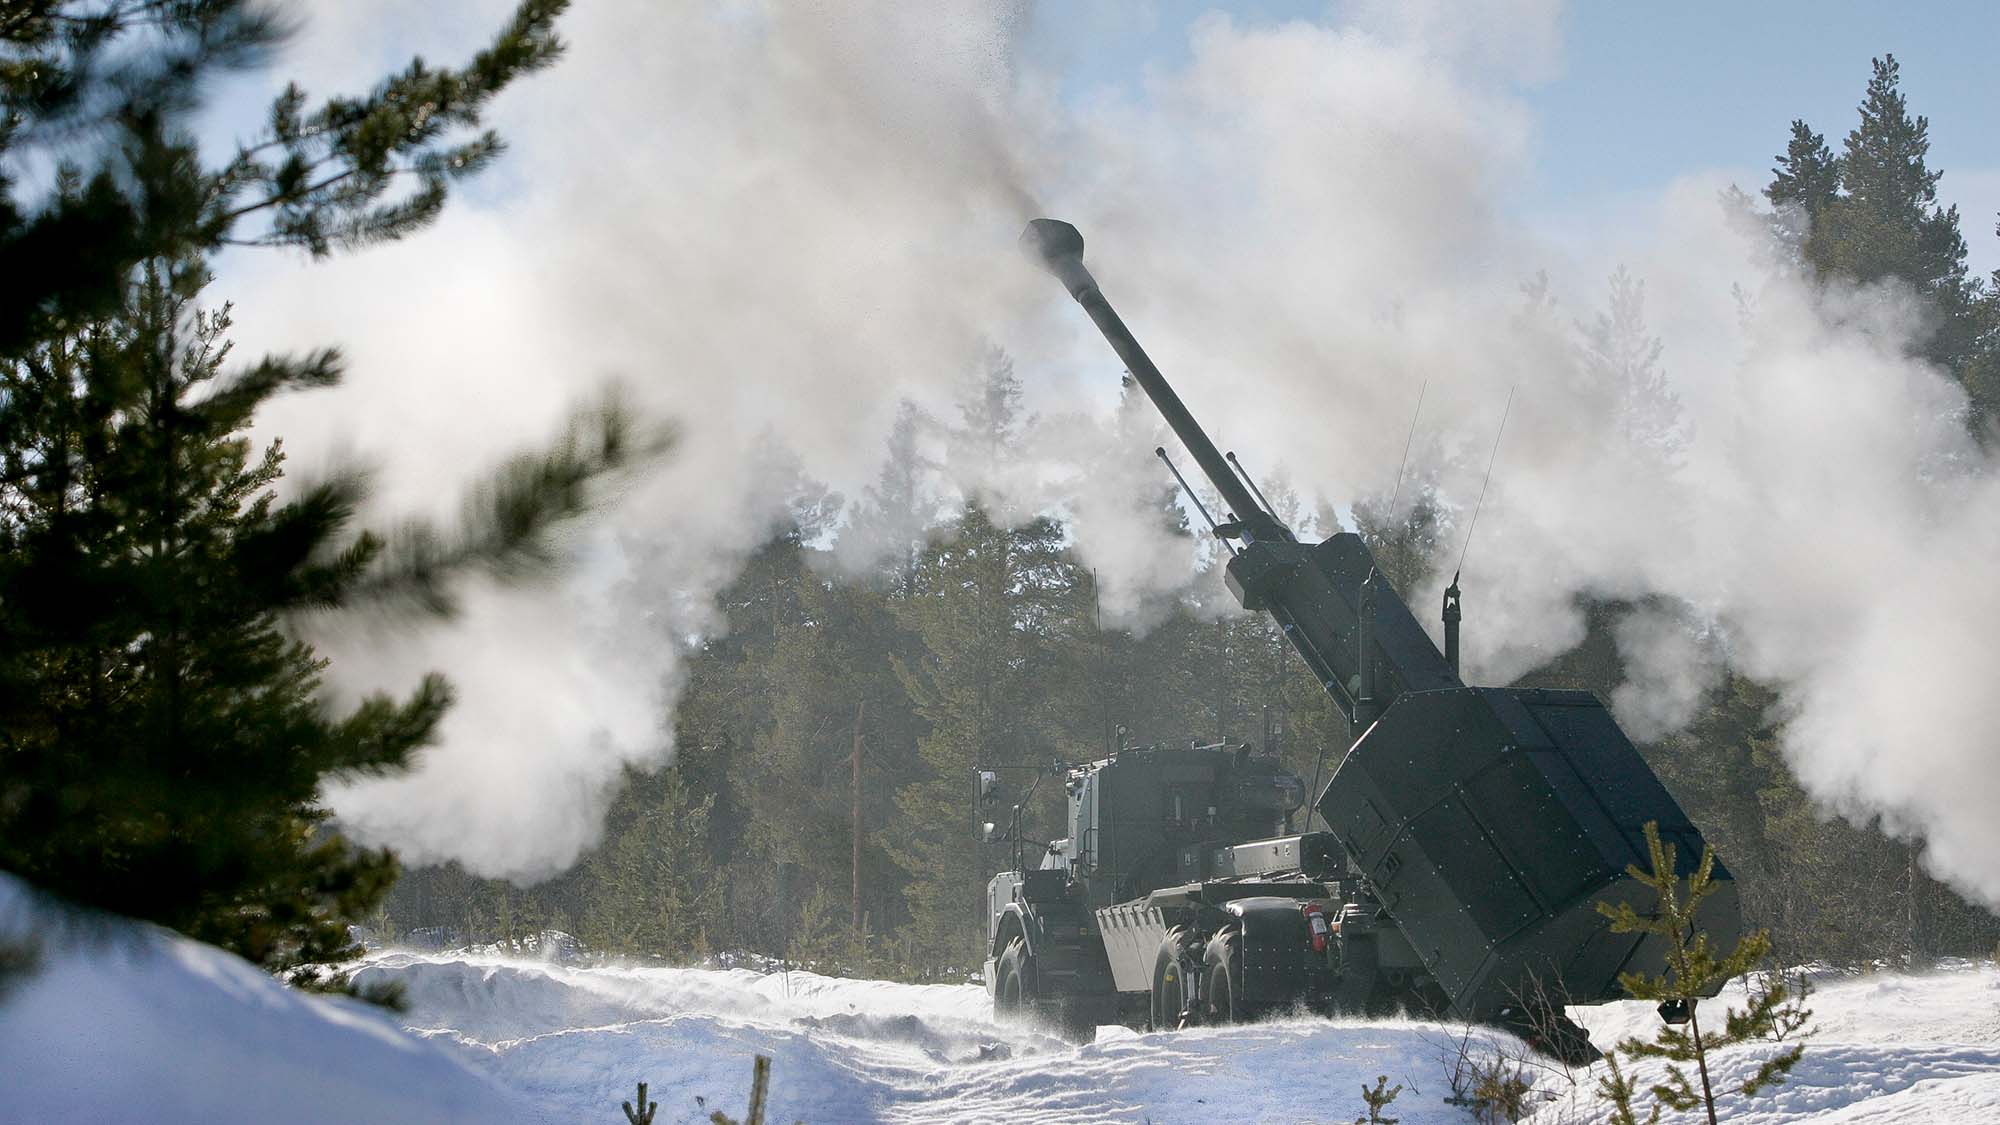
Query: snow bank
(127, 1023)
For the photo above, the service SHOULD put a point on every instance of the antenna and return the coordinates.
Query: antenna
(1407, 442)
(1245, 474)
(1160, 451)
(1490, 458)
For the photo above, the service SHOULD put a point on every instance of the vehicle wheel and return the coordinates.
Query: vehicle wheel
(1014, 983)
(1170, 986)
(1222, 965)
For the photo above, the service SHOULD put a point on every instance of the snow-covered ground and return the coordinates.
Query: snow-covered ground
(574, 1040)
(158, 1029)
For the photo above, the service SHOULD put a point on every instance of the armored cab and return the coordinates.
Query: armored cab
(1159, 837)
(1152, 817)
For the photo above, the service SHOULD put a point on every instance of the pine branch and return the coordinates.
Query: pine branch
(366, 145)
(507, 531)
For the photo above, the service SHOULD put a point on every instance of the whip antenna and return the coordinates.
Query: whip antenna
(1247, 479)
(1490, 458)
(1160, 451)
(1407, 442)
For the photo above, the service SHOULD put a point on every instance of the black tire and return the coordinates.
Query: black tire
(1169, 1009)
(1014, 983)
(1222, 966)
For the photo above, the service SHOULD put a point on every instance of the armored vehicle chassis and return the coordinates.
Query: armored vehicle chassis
(1472, 831)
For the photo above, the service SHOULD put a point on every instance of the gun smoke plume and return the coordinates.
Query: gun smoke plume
(777, 222)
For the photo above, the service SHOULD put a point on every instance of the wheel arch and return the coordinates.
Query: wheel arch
(1272, 940)
(1015, 922)
(1269, 920)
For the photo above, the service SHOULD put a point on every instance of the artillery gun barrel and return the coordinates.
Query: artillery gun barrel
(1058, 247)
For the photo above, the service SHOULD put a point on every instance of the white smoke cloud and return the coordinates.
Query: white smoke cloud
(777, 222)
(1670, 668)
(771, 223)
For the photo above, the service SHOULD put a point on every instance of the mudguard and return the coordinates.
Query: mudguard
(1276, 949)
(1073, 979)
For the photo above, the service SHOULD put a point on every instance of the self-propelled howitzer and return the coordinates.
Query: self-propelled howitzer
(1471, 831)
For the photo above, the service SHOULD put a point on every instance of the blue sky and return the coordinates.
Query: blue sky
(1645, 93)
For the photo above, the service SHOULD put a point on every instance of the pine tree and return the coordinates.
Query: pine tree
(1804, 186)
(1872, 213)
(1620, 358)
(1982, 371)
(162, 741)
(653, 889)
(990, 421)
(991, 606)
(1725, 768)
(1411, 542)
(886, 531)
(833, 684)
(823, 942)
(1894, 224)
(1694, 970)
(984, 615)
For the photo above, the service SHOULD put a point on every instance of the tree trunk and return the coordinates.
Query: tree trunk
(860, 709)
(1701, 1060)
(1919, 956)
